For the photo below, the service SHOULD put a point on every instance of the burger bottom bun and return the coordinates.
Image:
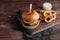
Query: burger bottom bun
(30, 26)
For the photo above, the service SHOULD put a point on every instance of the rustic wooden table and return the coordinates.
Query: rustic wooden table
(8, 15)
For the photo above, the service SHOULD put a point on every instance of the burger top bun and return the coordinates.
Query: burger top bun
(30, 17)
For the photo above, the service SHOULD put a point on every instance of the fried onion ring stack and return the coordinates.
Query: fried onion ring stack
(47, 15)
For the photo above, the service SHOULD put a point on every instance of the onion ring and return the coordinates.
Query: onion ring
(48, 19)
(53, 12)
(47, 13)
(54, 17)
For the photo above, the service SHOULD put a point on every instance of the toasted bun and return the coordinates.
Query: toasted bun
(30, 17)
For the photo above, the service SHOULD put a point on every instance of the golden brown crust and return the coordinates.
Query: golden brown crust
(53, 12)
(30, 17)
(44, 14)
(47, 13)
(41, 14)
(54, 17)
(41, 17)
(35, 22)
(30, 27)
(48, 19)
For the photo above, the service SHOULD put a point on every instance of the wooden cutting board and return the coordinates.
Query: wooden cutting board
(43, 26)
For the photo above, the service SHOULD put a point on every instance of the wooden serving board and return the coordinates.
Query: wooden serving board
(43, 26)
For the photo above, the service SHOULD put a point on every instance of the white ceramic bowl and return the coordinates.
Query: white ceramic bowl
(47, 6)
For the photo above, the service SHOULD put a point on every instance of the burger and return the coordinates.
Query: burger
(30, 20)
